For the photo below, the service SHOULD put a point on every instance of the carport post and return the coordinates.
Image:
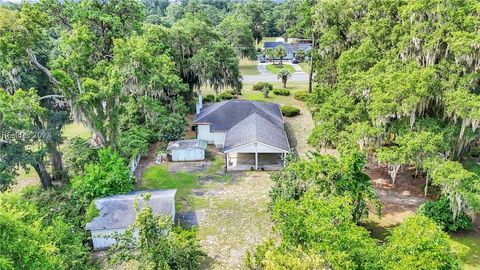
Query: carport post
(256, 160)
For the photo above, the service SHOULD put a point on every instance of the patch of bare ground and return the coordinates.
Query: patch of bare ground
(398, 201)
(235, 219)
(145, 162)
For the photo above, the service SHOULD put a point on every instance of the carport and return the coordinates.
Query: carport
(255, 156)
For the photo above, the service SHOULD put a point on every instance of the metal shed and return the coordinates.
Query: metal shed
(117, 214)
(187, 150)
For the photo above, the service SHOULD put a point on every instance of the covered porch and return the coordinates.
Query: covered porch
(255, 157)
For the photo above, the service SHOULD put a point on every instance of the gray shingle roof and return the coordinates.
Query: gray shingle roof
(256, 128)
(187, 144)
(118, 212)
(231, 112)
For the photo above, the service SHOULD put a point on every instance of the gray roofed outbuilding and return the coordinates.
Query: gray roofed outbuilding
(187, 144)
(117, 212)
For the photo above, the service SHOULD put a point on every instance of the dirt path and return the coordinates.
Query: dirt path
(145, 162)
(235, 219)
(398, 202)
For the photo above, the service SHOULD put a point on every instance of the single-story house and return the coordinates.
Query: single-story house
(251, 134)
(187, 150)
(117, 213)
(291, 48)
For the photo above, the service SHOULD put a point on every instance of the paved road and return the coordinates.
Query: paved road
(267, 76)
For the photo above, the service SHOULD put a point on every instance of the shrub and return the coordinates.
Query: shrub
(209, 98)
(281, 92)
(225, 96)
(171, 127)
(290, 111)
(233, 93)
(135, 141)
(441, 213)
(110, 175)
(261, 85)
(301, 95)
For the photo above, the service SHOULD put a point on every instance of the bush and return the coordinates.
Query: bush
(233, 93)
(290, 111)
(281, 92)
(171, 127)
(226, 96)
(135, 141)
(441, 213)
(261, 85)
(301, 95)
(110, 175)
(209, 98)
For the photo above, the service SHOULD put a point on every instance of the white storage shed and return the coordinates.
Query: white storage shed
(117, 214)
(187, 150)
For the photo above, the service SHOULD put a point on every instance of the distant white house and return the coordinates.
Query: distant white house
(187, 150)
(251, 134)
(117, 214)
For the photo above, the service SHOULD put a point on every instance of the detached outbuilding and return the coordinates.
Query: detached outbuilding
(117, 213)
(187, 150)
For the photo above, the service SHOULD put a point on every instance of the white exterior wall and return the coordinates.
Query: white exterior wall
(217, 138)
(101, 240)
(190, 154)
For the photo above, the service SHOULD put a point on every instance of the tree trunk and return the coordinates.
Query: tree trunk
(284, 83)
(310, 75)
(281, 61)
(58, 172)
(45, 178)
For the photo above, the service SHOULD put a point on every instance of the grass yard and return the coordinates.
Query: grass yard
(75, 130)
(248, 67)
(274, 68)
(305, 66)
(158, 177)
(469, 244)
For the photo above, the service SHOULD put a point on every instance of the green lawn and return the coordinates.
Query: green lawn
(248, 67)
(274, 68)
(305, 66)
(75, 130)
(158, 177)
(469, 245)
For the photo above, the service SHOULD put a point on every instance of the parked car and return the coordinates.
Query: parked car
(294, 61)
(262, 59)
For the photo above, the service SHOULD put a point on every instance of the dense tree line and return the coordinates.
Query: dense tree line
(401, 78)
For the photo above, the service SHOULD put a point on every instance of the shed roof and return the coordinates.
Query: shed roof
(256, 128)
(117, 212)
(187, 144)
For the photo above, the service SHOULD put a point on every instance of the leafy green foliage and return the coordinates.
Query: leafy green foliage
(209, 98)
(284, 74)
(419, 243)
(44, 230)
(324, 225)
(225, 96)
(160, 244)
(290, 111)
(108, 176)
(301, 95)
(440, 212)
(135, 142)
(261, 85)
(79, 152)
(281, 92)
(329, 177)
